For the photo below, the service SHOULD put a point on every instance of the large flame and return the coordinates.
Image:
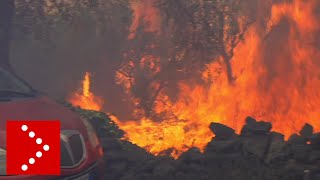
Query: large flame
(277, 79)
(282, 87)
(85, 98)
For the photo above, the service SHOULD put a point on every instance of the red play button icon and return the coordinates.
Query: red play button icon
(33, 147)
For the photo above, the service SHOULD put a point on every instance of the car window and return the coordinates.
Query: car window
(9, 82)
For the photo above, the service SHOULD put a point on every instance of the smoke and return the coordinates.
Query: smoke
(144, 12)
(56, 63)
(53, 51)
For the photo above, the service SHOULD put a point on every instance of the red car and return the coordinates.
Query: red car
(81, 154)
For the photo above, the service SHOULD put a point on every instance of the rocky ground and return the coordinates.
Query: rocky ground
(255, 154)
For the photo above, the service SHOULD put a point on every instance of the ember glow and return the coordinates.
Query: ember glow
(84, 98)
(277, 79)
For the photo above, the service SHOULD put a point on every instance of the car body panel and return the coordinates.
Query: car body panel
(43, 108)
(38, 108)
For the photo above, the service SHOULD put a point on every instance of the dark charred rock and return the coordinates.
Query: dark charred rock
(315, 175)
(256, 146)
(164, 170)
(257, 154)
(299, 147)
(224, 146)
(119, 166)
(296, 139)
(134, 152)
(278, 150)
(300, 152)
(193, 155)
(306, 131)
(110, 144)
(256, 128)
(186, 176)
(293, 171)
(115, 156)
(314, 156)
(223, 154)
(222, 131)
(315, 141)
(277, 136)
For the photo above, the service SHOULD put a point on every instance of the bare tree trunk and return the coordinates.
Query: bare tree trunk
(6, 16)
(225, 55)
(227, 59)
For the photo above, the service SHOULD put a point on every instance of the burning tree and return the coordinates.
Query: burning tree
(280, 86)
(206, 29)
(143, 75)
(187, 36)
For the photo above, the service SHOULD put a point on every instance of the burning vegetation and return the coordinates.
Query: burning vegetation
(84, 98)
(215, 63)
